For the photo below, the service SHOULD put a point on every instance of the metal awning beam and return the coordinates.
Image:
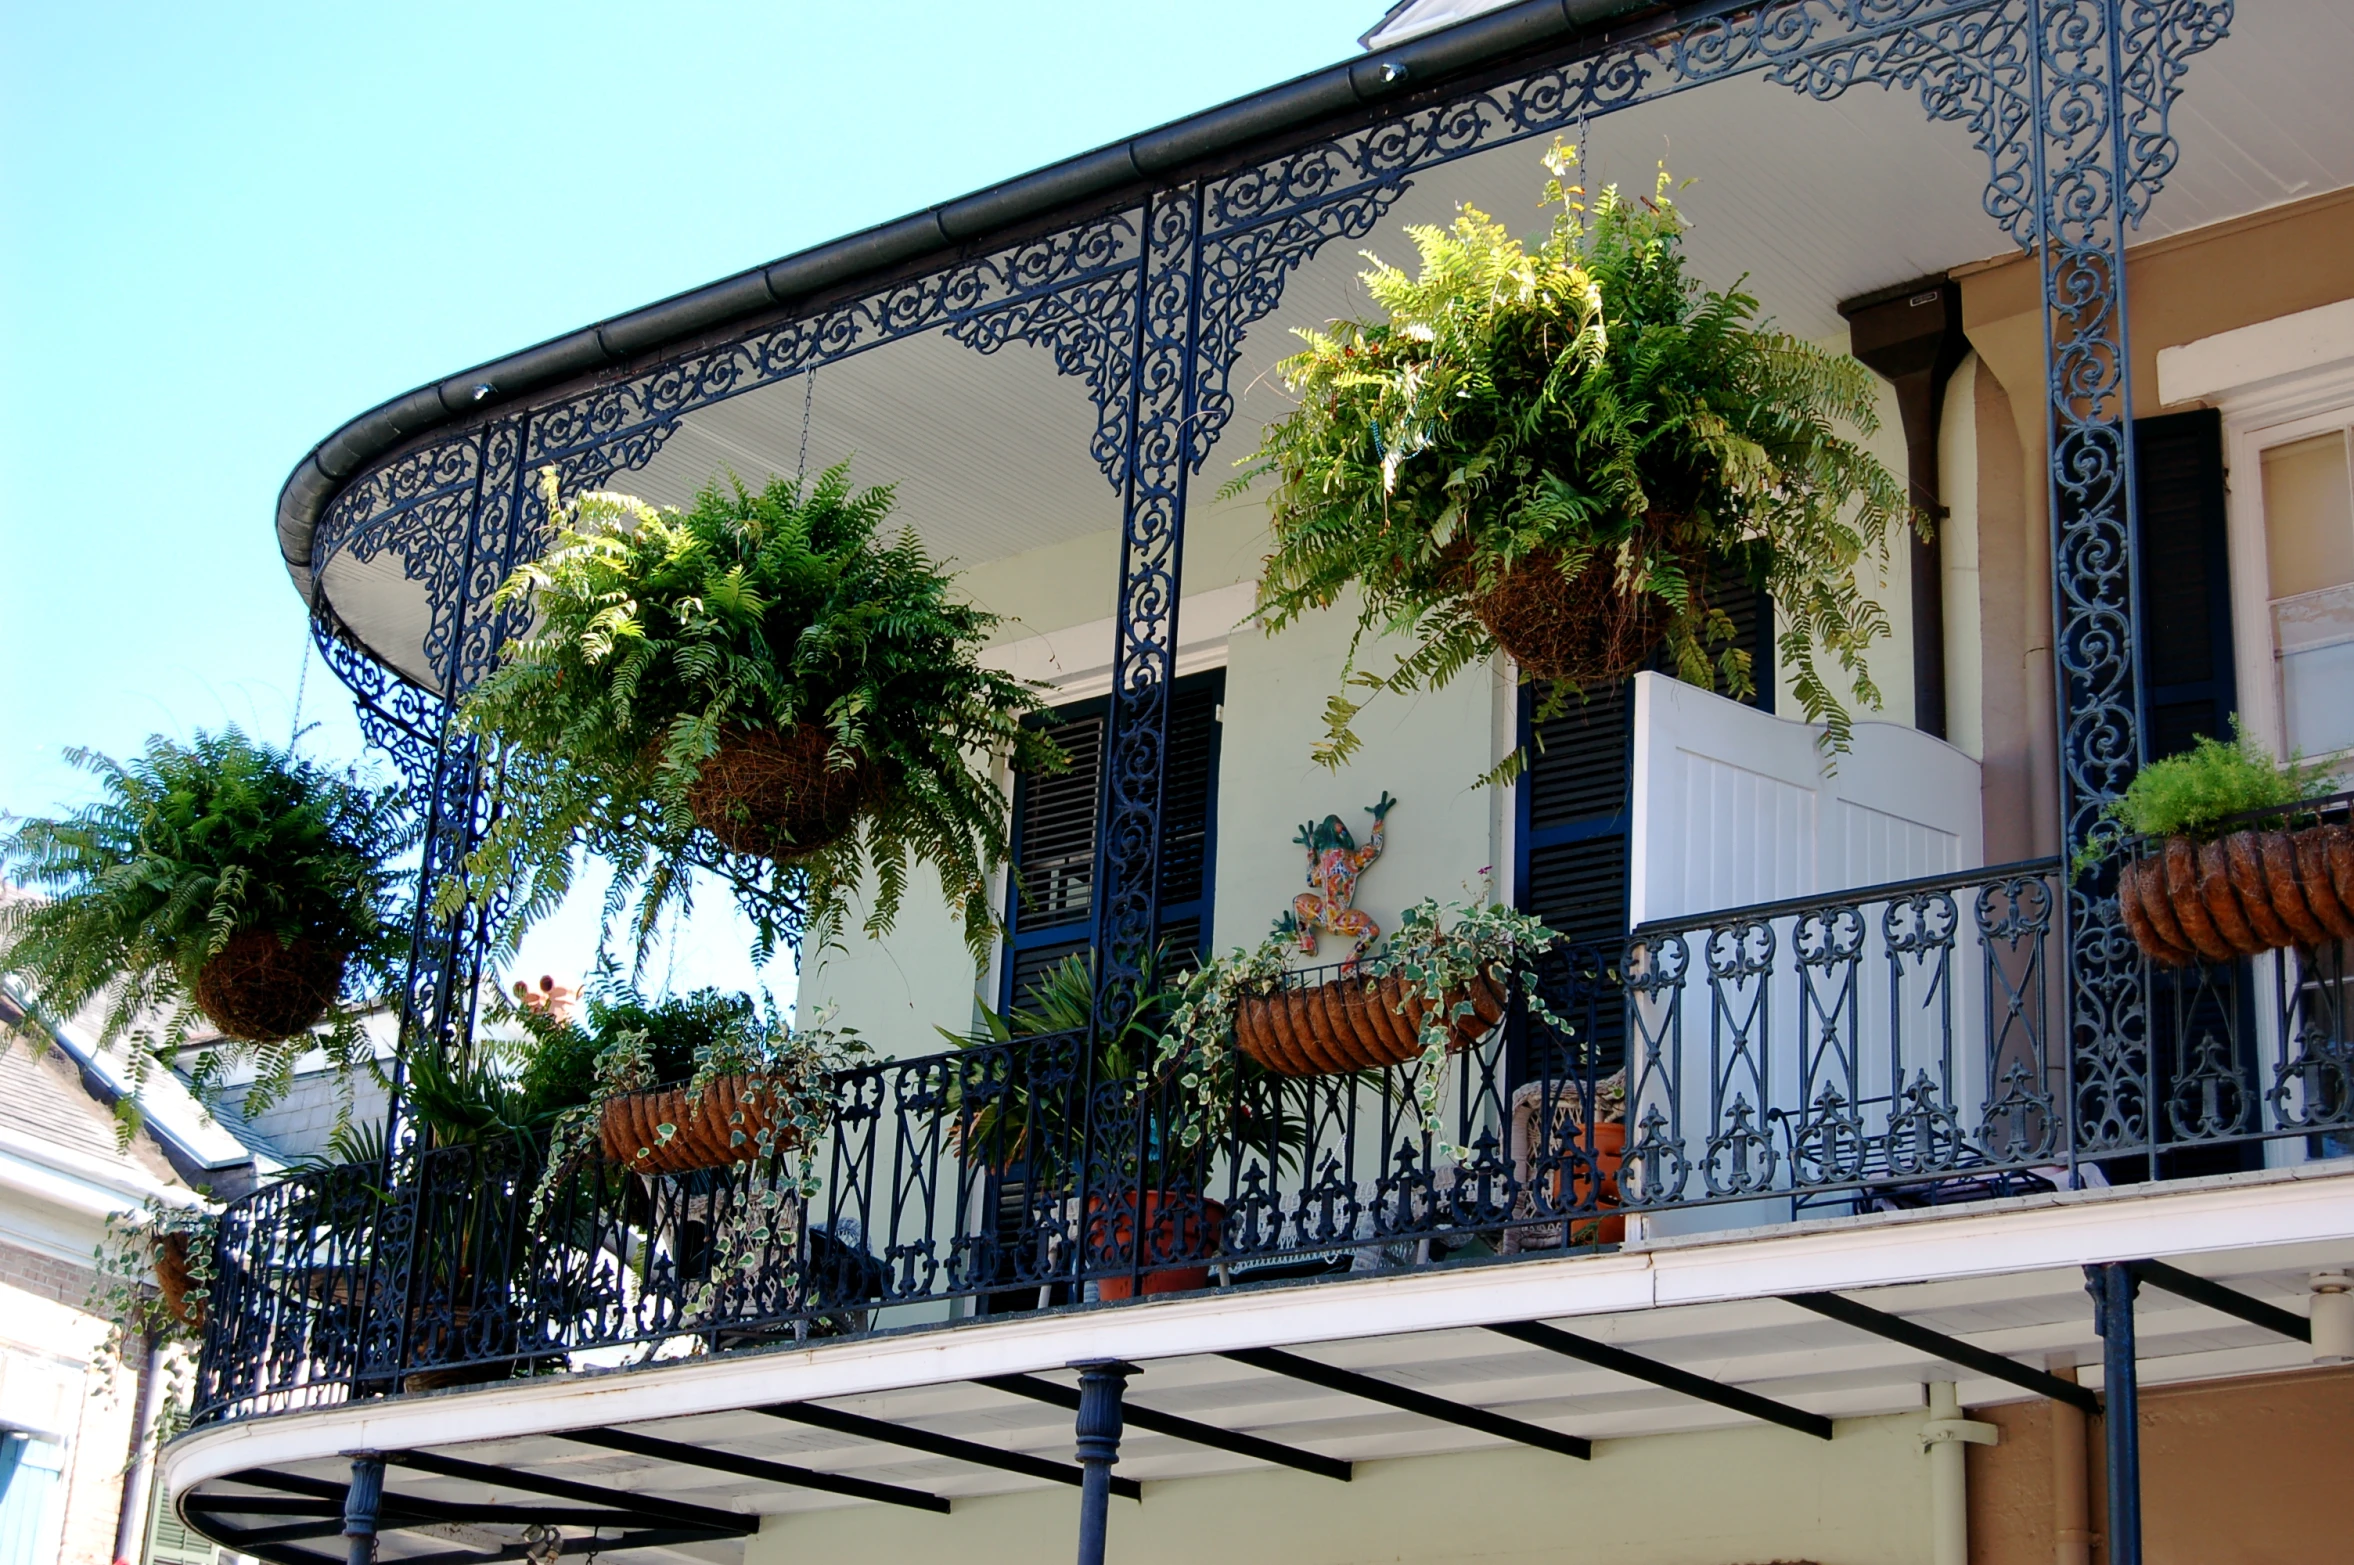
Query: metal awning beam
(1277, 1362)
(241, 1539)
(677, 1511)
(1952, 1349)
(1177, 1428)
(1681, 1381)
(2227, 1301)
(652, 1538)
(932, 1444)
(410, 1506)
(754, 1467)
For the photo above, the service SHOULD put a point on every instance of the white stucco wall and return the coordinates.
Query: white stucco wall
(1722, 1497)
(1427, 750)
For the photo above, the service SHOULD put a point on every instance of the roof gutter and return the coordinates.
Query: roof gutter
(1139, 161)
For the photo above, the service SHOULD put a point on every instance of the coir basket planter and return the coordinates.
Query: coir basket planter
(264, 990)
(729, 1123)
(1351, 1023)
(175, 1282)
(775, 795)
(2246, 893)
(1579, 630)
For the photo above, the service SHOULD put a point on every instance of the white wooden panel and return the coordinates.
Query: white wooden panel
(1733, 805)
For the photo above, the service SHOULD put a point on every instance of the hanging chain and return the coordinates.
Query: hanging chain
(808, 397)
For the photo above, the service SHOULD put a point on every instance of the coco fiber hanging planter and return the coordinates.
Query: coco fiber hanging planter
(776, 795)
(2240, 895)
(728, 1123)
(1577, 630)
(263, 990)
(1351, 1023)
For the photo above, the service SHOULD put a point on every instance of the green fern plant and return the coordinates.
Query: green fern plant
(662, 632)
(2194, 793)
(190, 845)
(1584, 403)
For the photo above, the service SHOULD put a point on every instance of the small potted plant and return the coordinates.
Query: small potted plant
(1108, 1133)
(2220, 872)
(1557, 451)
(223, 881)
(760, 687)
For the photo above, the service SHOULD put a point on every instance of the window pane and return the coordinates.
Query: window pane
(2315, 637)
(2309, 516)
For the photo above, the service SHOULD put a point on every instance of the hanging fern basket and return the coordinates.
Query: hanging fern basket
(176, 1282)
(777, 795)
(262, 989)
(672, 1131)
(1351, 1023)
(2243, 894)
(1574, 629)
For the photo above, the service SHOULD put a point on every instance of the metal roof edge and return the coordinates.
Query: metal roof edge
(1139, 159)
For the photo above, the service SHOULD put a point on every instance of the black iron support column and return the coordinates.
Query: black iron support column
(2112, 1288)
(360, 1504)
(1102, 1382)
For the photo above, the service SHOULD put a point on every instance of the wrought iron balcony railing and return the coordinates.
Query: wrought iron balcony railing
(1887, 1046)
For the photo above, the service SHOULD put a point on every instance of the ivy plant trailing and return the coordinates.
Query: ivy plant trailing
(1438, 953)
(223, 878)
(633, 1045)
(1561, 450)
(757, 634)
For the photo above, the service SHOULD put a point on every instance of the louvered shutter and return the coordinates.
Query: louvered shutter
(2188, 686)
(1057, 822)
(1572, 812)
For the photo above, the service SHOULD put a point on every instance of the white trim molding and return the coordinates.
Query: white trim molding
(1075, 663)
(2274, 382)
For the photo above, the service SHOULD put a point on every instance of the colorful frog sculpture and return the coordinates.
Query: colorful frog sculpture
(1334, 863)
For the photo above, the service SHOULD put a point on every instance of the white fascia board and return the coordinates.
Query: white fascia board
(1075, 663)
(78, 1180)
(1882, 1250)
(2245, 362)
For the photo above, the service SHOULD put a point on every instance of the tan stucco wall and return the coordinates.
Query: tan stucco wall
(2234, 1472)
(2179, 289)
(1726, 1497)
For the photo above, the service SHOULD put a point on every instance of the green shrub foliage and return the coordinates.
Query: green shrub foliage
(1585, 399)
(187, 846)
(660, 631)
(2194, 793)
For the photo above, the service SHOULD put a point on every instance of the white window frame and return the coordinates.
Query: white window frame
(2276, 382)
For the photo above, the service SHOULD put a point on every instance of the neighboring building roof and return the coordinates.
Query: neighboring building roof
(200, 1149)
(62, 1168)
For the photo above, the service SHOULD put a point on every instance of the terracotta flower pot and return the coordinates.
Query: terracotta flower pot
(1178, 1226)
(724, 1127)
(1349, 1024)
(264, 990)
(2249, 892)
(775, 796)
(1610, 1146)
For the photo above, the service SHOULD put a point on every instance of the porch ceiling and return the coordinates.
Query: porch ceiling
(1764, 1345)
(1815, 202)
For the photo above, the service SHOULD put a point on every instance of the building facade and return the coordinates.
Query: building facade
(1947, 1227)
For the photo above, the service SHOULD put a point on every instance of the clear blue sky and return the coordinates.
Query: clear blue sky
(226, 229)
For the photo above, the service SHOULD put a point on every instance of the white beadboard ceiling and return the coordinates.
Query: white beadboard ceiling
(1813, 202)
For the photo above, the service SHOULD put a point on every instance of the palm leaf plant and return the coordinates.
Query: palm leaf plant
(761, 687)
(1562, 451)
(222, 879)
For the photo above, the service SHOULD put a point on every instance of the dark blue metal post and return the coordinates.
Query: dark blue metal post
(360, 1503)
(1101, 1385)
(2112, 1288)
